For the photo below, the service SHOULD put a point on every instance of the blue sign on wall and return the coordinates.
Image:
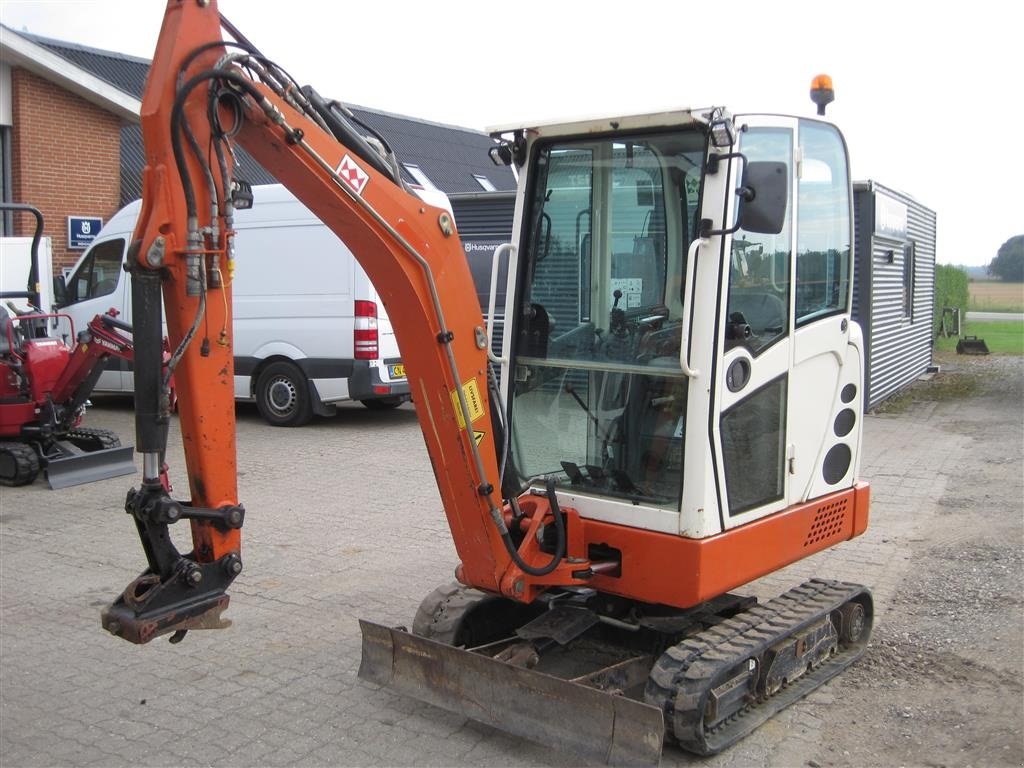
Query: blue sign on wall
(82, 230)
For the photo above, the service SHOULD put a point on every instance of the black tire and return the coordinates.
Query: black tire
(383, 403)
(19, 463)
(93, 438)
(282, 395)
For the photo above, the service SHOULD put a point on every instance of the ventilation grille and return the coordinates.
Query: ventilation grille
(828, 521)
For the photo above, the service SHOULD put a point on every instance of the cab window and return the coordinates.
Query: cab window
(599, 399)
(759, 276)
(98, 274)
(823, 234)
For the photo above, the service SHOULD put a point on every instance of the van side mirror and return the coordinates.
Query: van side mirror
(241, 195)
(764, 197)
(60, 291)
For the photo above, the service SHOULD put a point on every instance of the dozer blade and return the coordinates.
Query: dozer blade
(76, 466)
(584, 722)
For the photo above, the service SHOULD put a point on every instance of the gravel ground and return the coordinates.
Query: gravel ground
(941, 683)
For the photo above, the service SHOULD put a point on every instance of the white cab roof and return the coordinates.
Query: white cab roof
(584, 125)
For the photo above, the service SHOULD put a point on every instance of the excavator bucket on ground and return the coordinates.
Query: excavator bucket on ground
(971, 345)
(588, 717)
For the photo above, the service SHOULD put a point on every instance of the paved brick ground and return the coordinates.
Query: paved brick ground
(343, 522)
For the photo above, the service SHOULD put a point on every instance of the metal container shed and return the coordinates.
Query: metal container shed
(893, 286)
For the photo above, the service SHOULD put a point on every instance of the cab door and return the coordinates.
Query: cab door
(824, 422)
(753, 382)
(788, 361)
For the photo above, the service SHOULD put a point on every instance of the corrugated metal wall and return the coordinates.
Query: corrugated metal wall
(899, 348)
(484, 221)
(486, 214)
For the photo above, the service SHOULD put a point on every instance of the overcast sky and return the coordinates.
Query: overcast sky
(929, 94)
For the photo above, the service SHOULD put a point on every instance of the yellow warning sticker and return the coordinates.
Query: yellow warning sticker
(473, 400)
(478, 436)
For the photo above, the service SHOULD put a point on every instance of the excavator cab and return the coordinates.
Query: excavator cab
(681, 336)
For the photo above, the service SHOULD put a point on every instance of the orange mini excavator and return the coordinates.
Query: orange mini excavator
(676, 411)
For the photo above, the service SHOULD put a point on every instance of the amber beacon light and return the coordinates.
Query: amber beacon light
(822, 93)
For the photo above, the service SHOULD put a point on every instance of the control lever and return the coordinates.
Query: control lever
(617, 321)
(737, 329)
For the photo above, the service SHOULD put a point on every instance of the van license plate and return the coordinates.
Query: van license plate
(396, 371)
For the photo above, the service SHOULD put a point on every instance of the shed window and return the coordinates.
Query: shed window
(909, 258)
(485, 183)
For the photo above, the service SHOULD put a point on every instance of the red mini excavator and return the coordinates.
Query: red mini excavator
(676, 411)
(44, 386)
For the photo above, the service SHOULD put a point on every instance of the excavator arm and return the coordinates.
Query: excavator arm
(102, 339)
(203, 94)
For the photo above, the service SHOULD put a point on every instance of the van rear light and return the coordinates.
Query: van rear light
(365, 334)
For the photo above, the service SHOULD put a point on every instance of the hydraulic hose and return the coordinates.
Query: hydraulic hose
(556, 558)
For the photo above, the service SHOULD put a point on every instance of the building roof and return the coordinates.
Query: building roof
(449, 156)
(127, 73)
(32, 53)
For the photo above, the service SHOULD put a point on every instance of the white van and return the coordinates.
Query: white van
(300, 302)
(16, 266)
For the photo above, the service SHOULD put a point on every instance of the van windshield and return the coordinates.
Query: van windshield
(98, 274)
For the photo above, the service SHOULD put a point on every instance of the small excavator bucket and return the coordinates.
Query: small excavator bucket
(971, 345)
(74, 466)
(590, 724)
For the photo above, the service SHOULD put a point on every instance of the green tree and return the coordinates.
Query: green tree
(1008, 264)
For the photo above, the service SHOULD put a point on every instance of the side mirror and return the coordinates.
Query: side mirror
(764, 197)
(60, 291)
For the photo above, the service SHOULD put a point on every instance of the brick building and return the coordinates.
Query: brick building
(60, 140)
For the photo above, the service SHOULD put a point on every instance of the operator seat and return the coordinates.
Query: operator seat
(761, 311)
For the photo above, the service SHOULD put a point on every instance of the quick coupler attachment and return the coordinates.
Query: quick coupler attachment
(193, 598)
(177, 592)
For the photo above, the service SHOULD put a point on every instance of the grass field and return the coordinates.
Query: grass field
(993, 296)
(1001, 338)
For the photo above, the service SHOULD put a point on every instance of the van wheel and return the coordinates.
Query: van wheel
(382, 403)
(282, 395)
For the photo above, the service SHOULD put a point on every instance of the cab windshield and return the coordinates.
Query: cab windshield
(598, 397)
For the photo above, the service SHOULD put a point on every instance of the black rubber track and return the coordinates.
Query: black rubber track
(19, 463)
(93, 438)
(684, 675)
